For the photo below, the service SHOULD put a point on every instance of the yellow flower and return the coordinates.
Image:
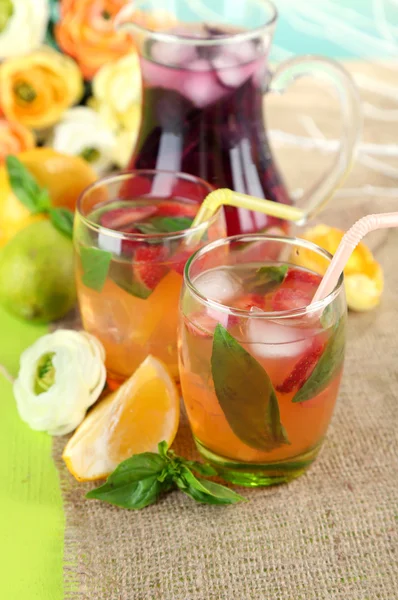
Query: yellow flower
(37, 88)
(125, 143)
(117, 98)
(117, 91)
(363, 276)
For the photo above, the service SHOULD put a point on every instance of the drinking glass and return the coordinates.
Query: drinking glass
(130, 260)
(260, 367)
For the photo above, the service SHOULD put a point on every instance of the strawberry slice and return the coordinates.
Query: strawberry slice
(249, 301)
(303, 368)
(288, 299)
(122, 219)
(148, 269)
(176, 209)
(135, 187)
(129, 246)
(300, 276)
(200, 324)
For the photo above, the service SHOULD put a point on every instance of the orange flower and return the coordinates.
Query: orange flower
(37, 88)
(14, 138)
(87, 32)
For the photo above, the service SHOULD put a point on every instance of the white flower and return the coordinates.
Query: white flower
(82, 132)
(61, 375)
(117, 92)
(23, 25)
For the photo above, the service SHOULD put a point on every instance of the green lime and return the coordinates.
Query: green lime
(37, 273)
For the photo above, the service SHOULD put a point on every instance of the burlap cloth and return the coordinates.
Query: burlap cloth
(332, 534)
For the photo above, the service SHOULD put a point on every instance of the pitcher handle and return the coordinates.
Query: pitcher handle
(290, 70)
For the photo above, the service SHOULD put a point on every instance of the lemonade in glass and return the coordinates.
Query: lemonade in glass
(260, 365)
(132, 240)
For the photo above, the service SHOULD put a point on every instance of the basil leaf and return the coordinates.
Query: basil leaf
(326, 367)
(62, 219)
(146, 228)
(206, 492)
(246, 394)
(95, 264)
(133, 496)
(273, 273)
(135, 483)
(25, 187)
(121, 272)
(171, 224)
(266, 279)
(327, 316)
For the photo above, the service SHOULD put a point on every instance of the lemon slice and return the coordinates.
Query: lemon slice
(144, 411)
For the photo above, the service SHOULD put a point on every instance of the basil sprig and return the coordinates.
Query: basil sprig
(35, 198)
(140, 480)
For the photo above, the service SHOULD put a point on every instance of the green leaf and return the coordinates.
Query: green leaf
(25, 187)
(164, 225)
(171, 224)
(328, 316)
(273, 273)
(95, 265)
(266, 279)
(146, 228)
(62, 219)
(134, 496)
(326, 367)
(246, 394)
(121, 272)
(206, 492)
(137, 482)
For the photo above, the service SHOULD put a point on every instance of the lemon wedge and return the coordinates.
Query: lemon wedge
(144, 411)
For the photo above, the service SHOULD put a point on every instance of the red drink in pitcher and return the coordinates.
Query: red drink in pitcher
(205, 116)
(205, 75)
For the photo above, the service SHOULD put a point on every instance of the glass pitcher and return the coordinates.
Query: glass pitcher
(205, 71)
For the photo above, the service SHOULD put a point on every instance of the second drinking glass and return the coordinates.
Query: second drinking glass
(260, 365)
(132, 240)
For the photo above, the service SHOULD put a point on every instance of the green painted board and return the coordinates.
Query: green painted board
(31, 514)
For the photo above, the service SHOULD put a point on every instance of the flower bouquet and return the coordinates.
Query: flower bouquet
(68, 80)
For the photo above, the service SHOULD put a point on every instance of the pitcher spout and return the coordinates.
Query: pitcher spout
(134, 20)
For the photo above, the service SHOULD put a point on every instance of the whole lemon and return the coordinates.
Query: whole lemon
(37, 273)
(63, 176)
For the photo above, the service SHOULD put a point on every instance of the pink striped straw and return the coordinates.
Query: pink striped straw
(347, 245)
